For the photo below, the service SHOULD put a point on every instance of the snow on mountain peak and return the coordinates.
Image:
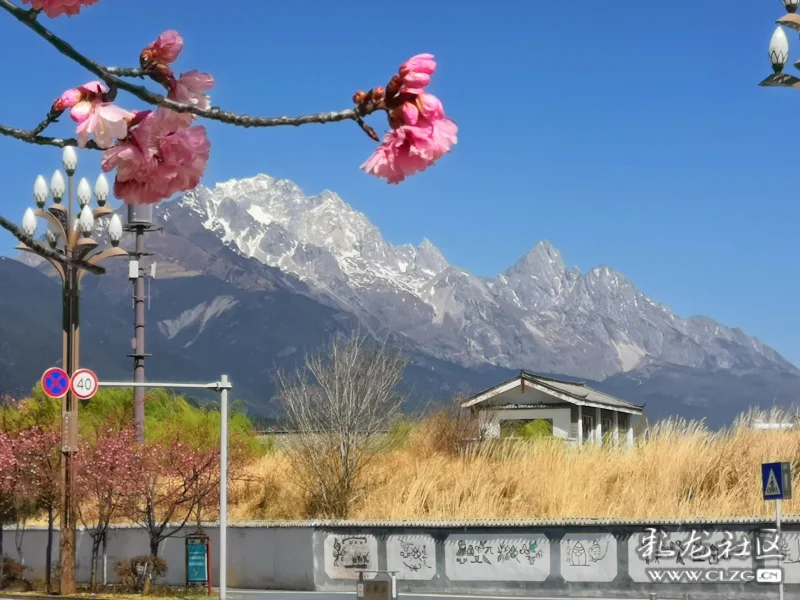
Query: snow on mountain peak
(318, 238)
(538, 314)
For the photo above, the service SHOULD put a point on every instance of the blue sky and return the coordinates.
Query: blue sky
(627, 133)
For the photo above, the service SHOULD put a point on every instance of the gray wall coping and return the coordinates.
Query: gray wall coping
(485, 523)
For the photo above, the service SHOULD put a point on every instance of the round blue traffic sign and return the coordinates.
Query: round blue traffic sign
(55, 382)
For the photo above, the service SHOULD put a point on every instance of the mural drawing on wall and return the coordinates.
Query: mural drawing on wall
(411, 557)
(790, 553)
(473, 553)
(486, 557)
(415, 556)
(589, 557)
(578, 555)
(351, 552)
(529, 552)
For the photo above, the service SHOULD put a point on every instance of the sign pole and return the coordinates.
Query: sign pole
(776, 484)
(222, 386)
(778, 529)
(223, 489)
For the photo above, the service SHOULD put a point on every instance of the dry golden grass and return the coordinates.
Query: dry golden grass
(678, 469)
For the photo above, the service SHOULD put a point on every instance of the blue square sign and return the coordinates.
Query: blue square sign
(776, 481)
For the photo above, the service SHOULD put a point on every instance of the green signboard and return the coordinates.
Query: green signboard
(196, 560)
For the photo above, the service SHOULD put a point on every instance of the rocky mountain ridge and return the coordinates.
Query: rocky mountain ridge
(538, 314)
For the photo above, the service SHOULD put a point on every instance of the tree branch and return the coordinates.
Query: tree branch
(41, 250)
(111, 76)
(31, 136)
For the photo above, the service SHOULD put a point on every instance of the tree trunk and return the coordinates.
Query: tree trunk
(97, 539)
(48, 559)
(154, 543)
(148, 580)
(18, 537)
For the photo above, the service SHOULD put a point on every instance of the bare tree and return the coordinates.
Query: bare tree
(341, 405)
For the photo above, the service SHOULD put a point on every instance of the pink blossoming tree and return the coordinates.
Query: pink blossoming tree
(8, 484)
(160, 150)
(108, 468)
(175, 475)
(37, 452)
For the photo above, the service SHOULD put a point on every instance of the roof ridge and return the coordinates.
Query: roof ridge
(529, 374)
(583, 385)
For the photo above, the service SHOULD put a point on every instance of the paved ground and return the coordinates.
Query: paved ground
(267, 595)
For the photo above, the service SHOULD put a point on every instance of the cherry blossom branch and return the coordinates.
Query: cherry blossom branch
(112, 77)
(43, 251)
(31, 136)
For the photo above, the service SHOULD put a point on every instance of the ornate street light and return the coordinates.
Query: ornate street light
(69, 233)
(779, 48)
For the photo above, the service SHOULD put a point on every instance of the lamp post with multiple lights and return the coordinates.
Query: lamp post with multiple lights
(69, 233)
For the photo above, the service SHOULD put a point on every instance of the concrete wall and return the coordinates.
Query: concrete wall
(588, 559)
(258, 557)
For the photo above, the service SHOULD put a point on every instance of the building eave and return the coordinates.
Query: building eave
(537, 383)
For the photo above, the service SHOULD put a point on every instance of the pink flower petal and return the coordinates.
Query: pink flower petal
(81, 111)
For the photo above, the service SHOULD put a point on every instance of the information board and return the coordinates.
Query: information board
(196, 561)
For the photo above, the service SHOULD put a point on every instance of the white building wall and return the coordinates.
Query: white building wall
(490, 419)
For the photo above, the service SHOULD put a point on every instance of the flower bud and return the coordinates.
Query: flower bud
(359, 97)
(420, 64)
(67, 100)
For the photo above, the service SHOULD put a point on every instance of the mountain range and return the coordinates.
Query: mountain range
(253, 273)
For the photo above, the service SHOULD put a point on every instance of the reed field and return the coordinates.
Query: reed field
(678, 469)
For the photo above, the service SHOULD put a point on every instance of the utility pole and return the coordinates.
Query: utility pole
(140, 221)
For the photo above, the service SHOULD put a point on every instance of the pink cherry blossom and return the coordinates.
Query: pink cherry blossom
(430, 106)
(158, 159)
(94, 91)
(93, 88)
(420, 63)
(410, 113)
(67, 100)
(56, 8)
(165, 50)
(104, 121)
(190, 89)
(416, 72)
(410, 149)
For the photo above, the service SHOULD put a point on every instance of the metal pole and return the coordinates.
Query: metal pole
(105, 558)
(780, 553)
(138, 351)
(67, 537)
(223, 488)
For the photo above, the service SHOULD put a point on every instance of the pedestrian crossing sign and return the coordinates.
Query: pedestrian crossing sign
(776, 481)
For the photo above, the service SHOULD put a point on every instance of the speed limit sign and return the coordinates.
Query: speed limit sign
(84, 384)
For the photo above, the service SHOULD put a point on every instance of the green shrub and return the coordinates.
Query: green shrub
(537, 429)
(163, 410)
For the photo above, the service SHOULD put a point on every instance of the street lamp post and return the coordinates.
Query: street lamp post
(779, 49)
(69, 233)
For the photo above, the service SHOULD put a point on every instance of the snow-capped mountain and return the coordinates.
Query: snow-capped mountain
(539, 314)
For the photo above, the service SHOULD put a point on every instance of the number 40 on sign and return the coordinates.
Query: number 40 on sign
(84, 384)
